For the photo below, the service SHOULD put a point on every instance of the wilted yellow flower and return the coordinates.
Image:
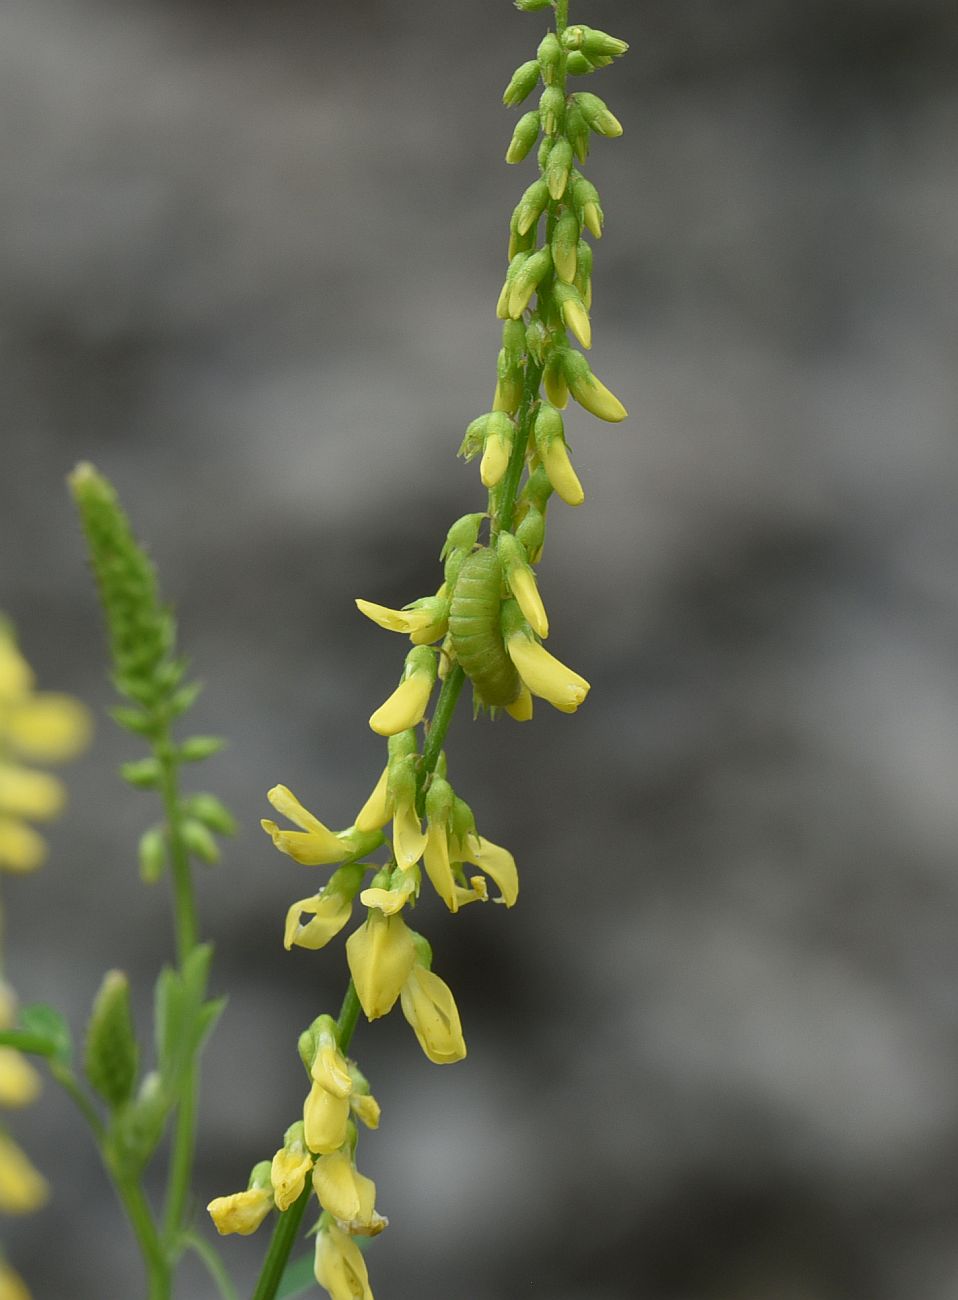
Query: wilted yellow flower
(313, 844)
(380, 955)
(428, 1005)
(22, 1188)
(242, 1212)
(339, 1266)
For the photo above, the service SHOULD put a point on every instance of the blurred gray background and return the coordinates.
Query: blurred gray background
(248, 266)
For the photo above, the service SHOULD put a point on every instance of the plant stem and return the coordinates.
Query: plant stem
(348, 1016)
(281, 1243)
(214, 1265)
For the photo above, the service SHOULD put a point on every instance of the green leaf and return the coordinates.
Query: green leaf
(111, 1056)
(47, 1024)
(183, 1019)
(298, 1278)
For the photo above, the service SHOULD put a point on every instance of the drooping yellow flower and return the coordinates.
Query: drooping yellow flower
(19, 1081)
(24, 793)
(342, 1190)
(22, 1188)
(339, 1266)
(424, 620)
(545, 675)
(496, 861)
(242, 1212)
(406, 707)
(380, 956)
(313, 844)
(12, 1285)
(376, 811)
(428, 1005)
(409, 840)
(330, 909)
(290, 1167)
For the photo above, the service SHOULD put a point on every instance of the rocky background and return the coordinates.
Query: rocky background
(248, 266)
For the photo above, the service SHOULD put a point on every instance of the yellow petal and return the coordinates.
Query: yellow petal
(375, 813)
(288, 1173)
(428, 1005)
(521, 707)
(24, 793)
(16, 676)
(324, 1120)
(495, 460)
(545, 675)
(577, 319)
(496, 862)
(408, 838)
(330, 912)
(405, 707)
(380, 956)
(19, 1081)
(339, 1265)
(22, 1188)
(561, 474)
(242, 1212)
(522, 583)
(21, 848)
(336, 1187)
(595, 397)
(12, 1286)
(405, 885)
(49, 727)
(438, 867)
(366, 1108)
(330, 1071)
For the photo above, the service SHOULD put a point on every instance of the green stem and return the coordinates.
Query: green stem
(180, 1173)
(348, 1018)
(214, 1265)
(441, 718)
(281, 1243)
(562, 16)
(502, 520)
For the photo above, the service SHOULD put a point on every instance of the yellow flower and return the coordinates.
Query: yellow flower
(428, 1005)
(325, 1117)
(12, 1286)
(21, 848)
(555, 459)
(16, 676)
(22, 1188)
(376, 811)
(423, 620)
(19, 1081)
(313, 844)
(366, 1108)
(545, 675)
(48, 727)
(380, 956)
(408, 838)
(403, 885)
(289, 1168)
(242, 1212)
(497, 862)
(24, 793)
(339, 1265)
(330, 909)
(343, 1191)
(406, 706)
(330, 1071)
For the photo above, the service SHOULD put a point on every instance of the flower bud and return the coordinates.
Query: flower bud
(583, 273)
(553, 379)
(585, 200)
(593, 42)
(531, 532)
(551, 446)
(522, 582)
(408, 838)
(549, 55)
(597, 115)
(533, 270)
(537, 336)
(551, 109)
(523, 137)
(529, 6)
(290, 1166)
(565, 239)
(531, 206)
(574, 314)
(463, 534)
(577, 131)
(508, 383)
(471, 444)
(588, 391)
(111, 1050)
(521, 84)
(557, 171)
(515, 267)
(500, 434)
(577, 64)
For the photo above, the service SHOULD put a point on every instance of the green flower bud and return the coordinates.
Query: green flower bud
(514, 339)
(463, 820)
(536, 493)
(212, 813)
(532, 272)
(549, 55)
(440, 798)
(565, 239)
(402, 744)
(593, 42)
(598, 116)
(574, 314)
(577, 64)
(577, 130)
(558, 168)
(553, 379)
(463, 534)
(522, 582)
(508, 383)
(585, 200)
(111, 1050)
(531, 532)
(144, 773)
(531, 206)
(199, 841)
(588, 391)
(471, 444)
(537, 337)
(545, 148)
(522, 84)
(523, 137)
(198, 748)
(152, 855)
(519, 243)
(551, 109)
(515, 266)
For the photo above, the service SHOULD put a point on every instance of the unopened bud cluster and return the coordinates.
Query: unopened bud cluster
(486, 621)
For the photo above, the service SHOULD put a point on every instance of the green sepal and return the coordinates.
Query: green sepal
(578, 65)
(152, 854)
(523, 137)
(521, 84)
(111, 1054)
(549, 57)
(199, 840)
(593, 43)
(577, 130)
(471, 444)
(531, 532)
(197, 748)
(423, 949)
(211, 811)
(559, 168)
(565, 239)
(552, 109)
(145, 773)
(138, 1126)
